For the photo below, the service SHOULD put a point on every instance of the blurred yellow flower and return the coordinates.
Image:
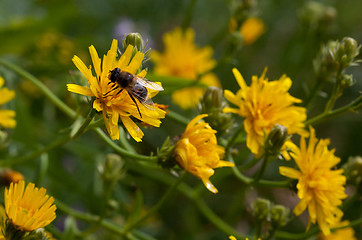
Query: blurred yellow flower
(340, 234)
(264, 104)
(251, 30)
(320, 188)
(198, 153)
(182, 58)
(30, 209)
(110, 101)
(6, 116)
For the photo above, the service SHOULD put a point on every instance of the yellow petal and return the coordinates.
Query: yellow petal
(80, 90)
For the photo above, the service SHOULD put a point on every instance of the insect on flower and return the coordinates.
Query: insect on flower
(134, 85)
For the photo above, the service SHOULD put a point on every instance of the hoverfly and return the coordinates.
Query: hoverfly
(135, 86)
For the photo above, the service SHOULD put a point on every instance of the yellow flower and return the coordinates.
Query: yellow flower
(340, 234)
(6, 116)
(197, 151)
(264, 104)
(182, 58)
(320, 188)
(251, 30)
(112, 103)
(30, 209)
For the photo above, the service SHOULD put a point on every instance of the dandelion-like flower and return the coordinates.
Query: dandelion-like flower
(6, 116)
(251, 30)
(30, 209)
(197, 151)
(264, 104)
(114, 104)
(320, 188)
(182, 58)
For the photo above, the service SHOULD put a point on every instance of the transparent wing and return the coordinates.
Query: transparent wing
(149, 84)
(144, 100)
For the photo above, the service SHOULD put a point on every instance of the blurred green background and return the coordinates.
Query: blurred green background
(42, 37)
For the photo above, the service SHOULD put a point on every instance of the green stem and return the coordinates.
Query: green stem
(234, 137)
(313, 93)
(123, 151)
(249, 164)
(178, 118)
(216, 220)
(57, 143)
(188, 15)
(44, 89)
(261, 183)
(85, 124)
(336, 92)
(155, 208)
(124, 142)
(262, 169)
(352, 107)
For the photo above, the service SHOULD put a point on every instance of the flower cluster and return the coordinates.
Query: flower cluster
(182, 58)
(109, 99)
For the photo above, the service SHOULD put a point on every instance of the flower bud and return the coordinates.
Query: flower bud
(353, 170)
(261, 208)
(165, 154)
(276, 139)
(347, 50)
(347, 81)
(317, 16)
(279, 216)
(111, 168)
(213, 103)
(136, 40)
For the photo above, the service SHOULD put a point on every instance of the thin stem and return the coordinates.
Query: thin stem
(313, 93)
(156, 206)
(336, 92)
(234, 137)
(261, 183)
(352, 107)
(178, 118)
(262, 169)
(85, 124)
(123, 151)
(216, 220)
(35, 154)
(44, 89)
(188, 15)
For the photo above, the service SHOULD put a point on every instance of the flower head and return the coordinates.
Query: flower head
(182, 58)
(8, 176)
(197, 151)
(320, 188)
(264, 104)
(251, 30)
(6, 116)
(30, 209)
(113, 103)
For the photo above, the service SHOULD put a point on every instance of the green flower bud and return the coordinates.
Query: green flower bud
(317, 16)
(276, 139)
(212, 103)
(261, 208)
(111, 168)
(279, 216)
(353, 170)
(347, 50)
(347, 81)
(134, 39)
(165, 154)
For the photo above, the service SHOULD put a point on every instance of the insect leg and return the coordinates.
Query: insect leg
(114, 88)
(134, 100)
